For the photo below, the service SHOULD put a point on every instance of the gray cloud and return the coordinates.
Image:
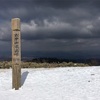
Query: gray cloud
(52, 25)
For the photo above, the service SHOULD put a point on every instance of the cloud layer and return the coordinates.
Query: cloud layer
(52, 25)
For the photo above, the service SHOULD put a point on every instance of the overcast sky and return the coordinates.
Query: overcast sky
(52, 28)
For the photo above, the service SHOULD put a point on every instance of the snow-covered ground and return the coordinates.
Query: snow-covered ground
(74, 83)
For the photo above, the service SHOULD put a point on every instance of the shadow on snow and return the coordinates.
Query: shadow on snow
(23, 77)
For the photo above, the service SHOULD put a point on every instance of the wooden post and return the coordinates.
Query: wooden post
(16, 54)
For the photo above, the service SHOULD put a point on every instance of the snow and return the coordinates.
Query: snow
(68, 83)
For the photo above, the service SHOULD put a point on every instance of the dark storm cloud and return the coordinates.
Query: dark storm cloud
(51, 3)
(58, 3)
(57, 19)
(52, 25)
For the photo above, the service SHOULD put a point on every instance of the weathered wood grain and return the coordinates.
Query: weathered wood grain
(16, 54)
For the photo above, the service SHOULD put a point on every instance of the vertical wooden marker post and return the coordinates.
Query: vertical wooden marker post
(16, 54)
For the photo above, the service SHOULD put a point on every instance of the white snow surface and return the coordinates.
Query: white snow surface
(68, 83)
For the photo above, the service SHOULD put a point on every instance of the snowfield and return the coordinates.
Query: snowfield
(70, 83)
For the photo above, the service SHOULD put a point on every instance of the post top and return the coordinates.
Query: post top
(15, 23)
(15, 18)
